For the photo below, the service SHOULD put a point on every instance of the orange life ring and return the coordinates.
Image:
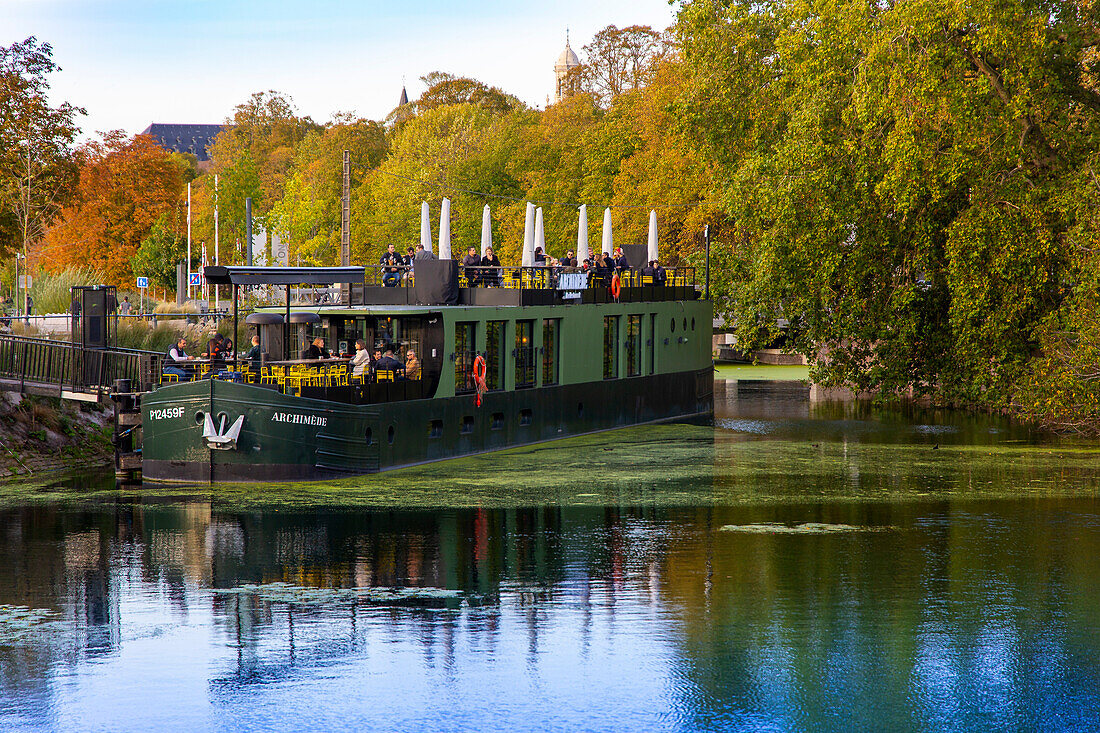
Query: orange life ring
(616, 286)
(479, 377)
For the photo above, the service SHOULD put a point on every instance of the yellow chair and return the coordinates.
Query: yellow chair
(385, 375)
(169, 378)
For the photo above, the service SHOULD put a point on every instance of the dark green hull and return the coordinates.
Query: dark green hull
(288, 438)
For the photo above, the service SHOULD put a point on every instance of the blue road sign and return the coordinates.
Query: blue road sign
(143, 282)
(194, 279)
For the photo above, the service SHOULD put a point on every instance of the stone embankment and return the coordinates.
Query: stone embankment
(43, 434)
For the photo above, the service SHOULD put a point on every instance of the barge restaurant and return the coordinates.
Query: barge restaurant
(545, 353)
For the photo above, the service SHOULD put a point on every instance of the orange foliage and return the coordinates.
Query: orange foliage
(125, 185)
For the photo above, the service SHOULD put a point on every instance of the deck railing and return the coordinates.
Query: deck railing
(537, 278)
(36, 363)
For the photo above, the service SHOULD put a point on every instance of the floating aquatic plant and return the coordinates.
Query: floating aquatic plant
(804, 528)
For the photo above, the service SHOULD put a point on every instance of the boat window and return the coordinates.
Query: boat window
(672, 325)
(467, 424)
(550, 328)
(525, 354)
(435, 429)
(610, 347)
(651, 342)
(525, 417)
(494, 354)
(633, 346)
(465, 353)
(497, 421)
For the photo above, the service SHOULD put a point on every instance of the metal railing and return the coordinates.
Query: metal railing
(37, 363)
(537, 278)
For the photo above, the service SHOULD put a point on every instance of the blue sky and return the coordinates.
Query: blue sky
(131, 63)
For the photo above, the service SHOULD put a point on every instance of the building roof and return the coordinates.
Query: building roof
(404, 97)
(186, 138)
(567, 60)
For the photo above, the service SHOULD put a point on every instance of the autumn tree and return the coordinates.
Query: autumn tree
(252, 158)
(616, 61)
(125, 186)
(308, 217)
(36, 139)
(446, 89)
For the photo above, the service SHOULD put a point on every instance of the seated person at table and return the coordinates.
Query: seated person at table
(317, 350)
(412, 365)
(215, 349)
(174, 364)
(388, 362)
(361, 360)
(569, 260)
(393, 263)
(254, 355)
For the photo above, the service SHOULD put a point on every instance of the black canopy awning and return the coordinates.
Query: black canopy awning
(221, 275)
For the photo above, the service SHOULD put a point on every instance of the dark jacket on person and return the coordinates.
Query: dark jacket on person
(568, 262)
(254, 356)
(215, 350)
(493, 261)
(471, 261)
(315, 352)
(424, 255)
(387, 362)
(622, 264)
(392, 260)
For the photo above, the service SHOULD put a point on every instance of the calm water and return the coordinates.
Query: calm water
(795, 567)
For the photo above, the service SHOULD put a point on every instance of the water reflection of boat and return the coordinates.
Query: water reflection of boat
(548, 355)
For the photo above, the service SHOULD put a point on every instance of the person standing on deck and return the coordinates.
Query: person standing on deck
(471, 262)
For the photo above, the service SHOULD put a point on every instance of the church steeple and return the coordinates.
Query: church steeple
(404, 97)
(566, 62)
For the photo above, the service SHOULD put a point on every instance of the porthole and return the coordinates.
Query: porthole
(369, 435)
(199, 417)
(685, 324)
(693, 323)
(672, 325)
(223, 418)
(389, 435)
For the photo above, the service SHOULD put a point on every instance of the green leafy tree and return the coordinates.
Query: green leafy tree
(896, 172)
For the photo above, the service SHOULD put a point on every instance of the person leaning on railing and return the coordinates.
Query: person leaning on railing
(470, 263)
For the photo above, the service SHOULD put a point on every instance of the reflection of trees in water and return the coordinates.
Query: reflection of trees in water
(963, 611)
(90, 562)
(964, 593)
